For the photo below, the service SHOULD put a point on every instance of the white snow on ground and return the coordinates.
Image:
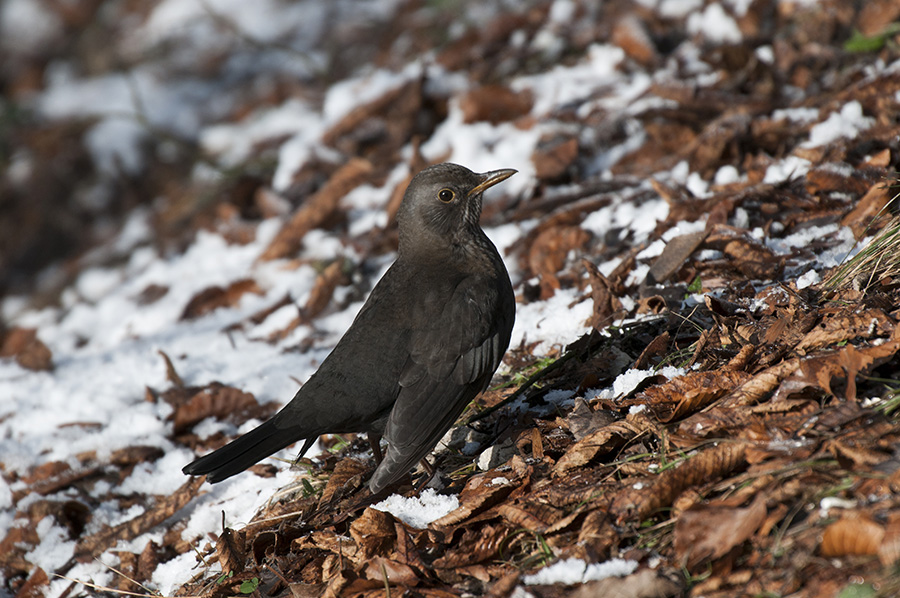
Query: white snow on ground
(418, 511)
(105, 343)
(575, 571)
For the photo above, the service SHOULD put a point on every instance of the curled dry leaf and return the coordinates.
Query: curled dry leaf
(317, 209)
(641, 500)
(27, 349)
(855, 535)
(215, 400)
(230, 550)
(604, 440)
(478, 545)
(374, 532)
(347, 476)
(690, 393)
(534, 517)
(481, 492)
(495, 104)
(844, 326)
(607, 306)
(549, 252)
(214, 297)
(709, 532)
(92, 546)
(386, 570)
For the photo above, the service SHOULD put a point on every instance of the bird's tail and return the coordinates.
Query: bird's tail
(241, 453)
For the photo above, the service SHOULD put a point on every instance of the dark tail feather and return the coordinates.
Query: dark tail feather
(241, 453)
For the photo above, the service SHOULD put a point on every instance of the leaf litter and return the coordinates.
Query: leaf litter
(754, 450)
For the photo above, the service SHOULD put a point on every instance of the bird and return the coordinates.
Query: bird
(425, 343)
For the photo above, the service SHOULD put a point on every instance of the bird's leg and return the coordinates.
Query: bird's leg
(375, 443)
(430, 470)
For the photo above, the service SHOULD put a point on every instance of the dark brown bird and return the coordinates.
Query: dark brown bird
(425, 343)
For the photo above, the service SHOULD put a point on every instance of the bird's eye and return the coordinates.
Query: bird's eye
(446, 195)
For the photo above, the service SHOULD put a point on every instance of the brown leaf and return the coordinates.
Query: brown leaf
(655, 348)
(132, 455)
(27, 348)
(607, 306)
(646, 583)
(322, 291)
(676, 252)
(92, 546)
(481, 492)
(215, 400)
(862, 217)
(171, 373)
(213, 298)
(549, 251)
(708, 532)
(754, 259)
(317, 209)
(35, 586)
(630, 34)
(554, 156)
(230, 550)
(494, 104)
(384, 569)
(347, 477)
(475, 546)
(530, 516)
(602, 441)
(374, 532)
(690, 393)
(856, 534)
(638, 502)
(844, 326)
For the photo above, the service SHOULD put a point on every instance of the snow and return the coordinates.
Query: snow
(27, 27)
(844, 124)
(574, 571)
(418, 511)
(105, 342)
(714, 24)
(629, 380)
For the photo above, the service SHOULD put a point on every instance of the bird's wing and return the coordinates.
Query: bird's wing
(452, 359)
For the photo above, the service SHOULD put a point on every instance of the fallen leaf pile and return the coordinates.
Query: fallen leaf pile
(767, 464)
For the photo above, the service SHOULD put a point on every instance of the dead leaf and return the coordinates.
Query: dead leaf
(384, 569)
(673, 256)
(607, 306)
(88, 547)
(28, 350)
(374, 532)
(481, 492)
(214, 400)
(230, 550)
(602, 441)
(852, 535)
(644, 498)
(317, 209)
(554, 156)
(35, 586)
(494, 104)
(347, 477)
(708, 532)
(213, 298)
(689, 393)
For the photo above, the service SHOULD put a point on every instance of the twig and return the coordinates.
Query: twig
(94, 586)
(525, 386)
(134, 581)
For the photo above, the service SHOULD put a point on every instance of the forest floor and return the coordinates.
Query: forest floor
(702, 396)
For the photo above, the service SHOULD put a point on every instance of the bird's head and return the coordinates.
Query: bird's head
(443, 204)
